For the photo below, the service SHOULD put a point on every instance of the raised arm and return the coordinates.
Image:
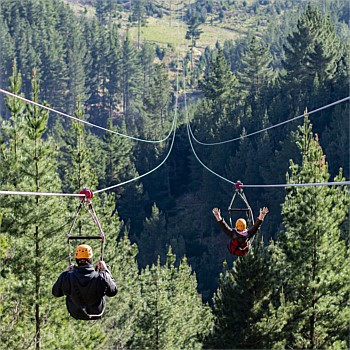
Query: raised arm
(224, 227)
(253, 230)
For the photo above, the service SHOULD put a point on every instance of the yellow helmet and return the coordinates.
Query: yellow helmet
(241, 224)
(83, 251)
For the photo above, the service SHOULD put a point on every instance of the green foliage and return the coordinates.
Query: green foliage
(172, 315)
(256, 73)
(313, 52)
(314, 283)
(241, 300)
(84, 66)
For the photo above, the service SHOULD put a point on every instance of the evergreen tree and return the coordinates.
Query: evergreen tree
(220, 88)
(13, 128)
(193, 33)
(6, 55)
(241, 300)
(138, 15)
(105, 10)
(76, 59)
(35, 222)
(75, 163)
(157, 102)
(256, 73)
(113, 82)
(173, 315)
(123, 310)
(153, 239)
(54, 69)
(130, 83)
(313, 51)
(311, 307)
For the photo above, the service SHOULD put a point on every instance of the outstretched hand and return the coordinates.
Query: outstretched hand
(217, 214)
(263, 212)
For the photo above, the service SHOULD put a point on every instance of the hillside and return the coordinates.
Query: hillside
(219, 20)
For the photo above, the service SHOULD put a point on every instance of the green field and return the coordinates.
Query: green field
(170, 31)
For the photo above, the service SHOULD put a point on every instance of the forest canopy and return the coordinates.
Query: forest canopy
(178, 286)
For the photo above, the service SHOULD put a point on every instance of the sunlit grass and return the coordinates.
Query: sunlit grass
(159, 31)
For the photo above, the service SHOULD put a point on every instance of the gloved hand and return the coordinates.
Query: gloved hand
(70, 267)
(102, 266)
(217, 214)
(263, 212)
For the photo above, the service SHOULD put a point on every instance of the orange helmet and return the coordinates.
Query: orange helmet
(83, 251)
(241, 224)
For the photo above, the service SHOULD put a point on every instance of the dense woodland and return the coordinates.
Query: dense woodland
(179, 288)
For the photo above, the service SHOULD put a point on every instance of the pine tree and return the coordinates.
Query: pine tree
(256, 73)
(314, 281)
(123, 310)
(113, 83)
(219, 83)
(138, 15)
(76, 59)
(152, 241)
(241, 300)
(13, 129)
(130, 83)
(6, 55)
(313, 51)
(173, 315)
(35, 222)
(157, 103)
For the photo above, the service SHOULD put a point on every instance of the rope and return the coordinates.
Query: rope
(41, 194)
(335, 183)
(168, 154)
(172, 130)
(190, 134)
(270, 127)
(194, 152)
(84, 121)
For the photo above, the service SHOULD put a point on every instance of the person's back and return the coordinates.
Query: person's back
(84, 287)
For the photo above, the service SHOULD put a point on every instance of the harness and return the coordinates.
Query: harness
(235, 247)
(238, 249)
(87, 204)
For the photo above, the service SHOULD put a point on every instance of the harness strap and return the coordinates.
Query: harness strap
(87, 199)
(71, 228)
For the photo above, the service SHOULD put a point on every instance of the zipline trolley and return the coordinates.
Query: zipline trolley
(87, 204)
(247, 210)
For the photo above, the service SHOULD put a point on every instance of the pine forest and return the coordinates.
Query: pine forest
(163, 110)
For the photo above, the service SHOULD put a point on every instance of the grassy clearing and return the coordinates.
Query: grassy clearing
(171, 31)
(159, 31)
(81, 10)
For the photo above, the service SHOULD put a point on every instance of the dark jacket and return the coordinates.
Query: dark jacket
(85, 290)
(234, 235)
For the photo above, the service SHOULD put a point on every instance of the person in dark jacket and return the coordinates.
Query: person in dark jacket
(84, 287)
(240, 235)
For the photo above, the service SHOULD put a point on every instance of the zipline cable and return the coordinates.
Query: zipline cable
(335, 183)
(84, 121)
(143, 175)
(191, 144)
(170, 149)
(25, 193)
(189, 133)
(269, 127)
